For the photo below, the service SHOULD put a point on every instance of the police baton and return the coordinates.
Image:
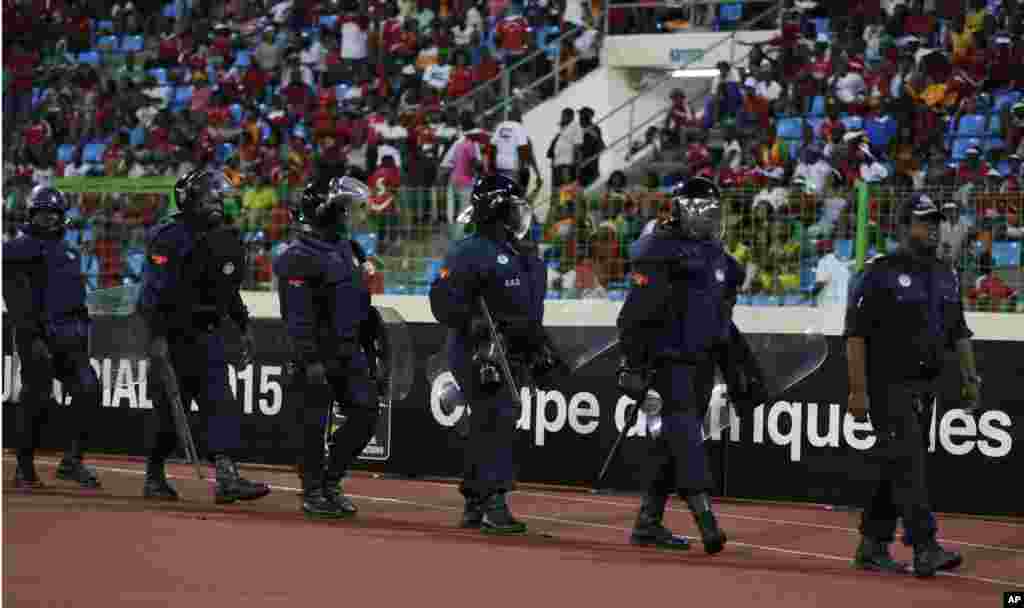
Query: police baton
(170, 381)
(502, 355)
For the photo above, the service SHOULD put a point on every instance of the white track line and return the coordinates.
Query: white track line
(787, 522)
(572, 522)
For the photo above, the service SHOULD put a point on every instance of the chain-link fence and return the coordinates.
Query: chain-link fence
(798, 247)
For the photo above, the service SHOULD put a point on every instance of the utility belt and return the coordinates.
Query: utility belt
(674, 357)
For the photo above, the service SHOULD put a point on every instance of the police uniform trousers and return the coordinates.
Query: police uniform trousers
(200, 366)
(679, 460)
(897, 464)
(350, 385)
(69, 351)
(489, 456)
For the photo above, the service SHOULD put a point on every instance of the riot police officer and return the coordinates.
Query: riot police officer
(904, 311)
(497, 265)
(674, 328)
(333, 329)
(45, 295)
(191, 280)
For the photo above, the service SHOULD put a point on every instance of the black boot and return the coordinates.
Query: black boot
(497, 518)
(25, 476)
(335, 491)
(472, 513)
(233, 487)
(72, 469)
(156, 486)
(317, 502)
(648, 529)
(713, 536)
(930, 557)
(874, 555)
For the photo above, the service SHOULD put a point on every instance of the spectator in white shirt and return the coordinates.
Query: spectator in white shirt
(813, 168)
(765, 86)
(514, 152)
(831, 278)
(565, 148)
(354, 40)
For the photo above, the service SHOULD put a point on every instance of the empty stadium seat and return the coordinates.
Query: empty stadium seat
(994, 125)
(330, 21)
(844, 248)
(132, 44)
(236, 113)
(107, 43)
(368, 241)
(224, 152)
(961, 144)
(729, 13)
(93, 153)
(851, 122)
(160, 74)
(105, 26)
(790, 128)
(182, 97)
(66, 153)
(242, 59)
(137, 136)
(818, 106)
(89, 58)
(971, 125)
(170, 10)
(1006, 254)
(881, 131)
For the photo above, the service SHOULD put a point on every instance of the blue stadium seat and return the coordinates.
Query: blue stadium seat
(107, 43)
(744, 300)
(971, 125)
(1006, 254)
(105, 26)
(134, 262)
(137, 136)
(182, 97)
(822, 25)
(170, 10)
(852, 122)
(617, 295)
(65, 153)
(236, 113)
(844, 248)
(881, 130)
(553, 295)
(818, 106)
(1003, 167)
(89, 58)
(419, 290)
(807, 276)
(330, 21)
(433, 270)
(132, 44)
(960, 145)
(793, 299)
(224, 151)
(764, 300)
(728, 13)
(242, 59)
(368, 241)
(790, 128)
(93, 153)
(160, 74)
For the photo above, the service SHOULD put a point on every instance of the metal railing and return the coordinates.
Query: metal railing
(630, 104)
(781, 238)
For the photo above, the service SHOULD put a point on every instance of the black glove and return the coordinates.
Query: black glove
(633, 382)
(479, 328)
(485, 361)
(548, 362)
(750, 384)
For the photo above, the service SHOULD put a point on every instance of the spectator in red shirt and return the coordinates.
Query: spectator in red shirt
(460, 80)
(383, 204)
(18, 98)
(973, 169)
(511, 35)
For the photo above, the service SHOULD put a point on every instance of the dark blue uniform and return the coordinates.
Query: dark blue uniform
(45, 295)
(190, 283)
(908, 311)
(326, 308)
(513, 283)
(675, 317)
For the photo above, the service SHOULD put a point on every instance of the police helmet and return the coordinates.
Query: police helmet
(326, 204)
(47, 199)
(697, 208)
(500, 199)
(200, 194)
(921, 207)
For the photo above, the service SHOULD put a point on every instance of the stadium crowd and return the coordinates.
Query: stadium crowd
(898, 96)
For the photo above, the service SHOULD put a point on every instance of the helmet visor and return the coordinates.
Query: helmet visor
(520, 217)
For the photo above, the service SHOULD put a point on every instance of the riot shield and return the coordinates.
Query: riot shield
(445, 394)
(120, 302)
(397, 357)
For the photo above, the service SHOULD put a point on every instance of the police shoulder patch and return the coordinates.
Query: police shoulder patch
(640, 279)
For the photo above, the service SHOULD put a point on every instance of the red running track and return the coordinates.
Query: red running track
(64, 546)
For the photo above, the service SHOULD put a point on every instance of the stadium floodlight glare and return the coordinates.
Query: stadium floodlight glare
(695, 73)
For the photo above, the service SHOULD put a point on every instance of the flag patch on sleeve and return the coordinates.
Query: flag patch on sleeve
(159, 260)
(640, 279)
(296, 282)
